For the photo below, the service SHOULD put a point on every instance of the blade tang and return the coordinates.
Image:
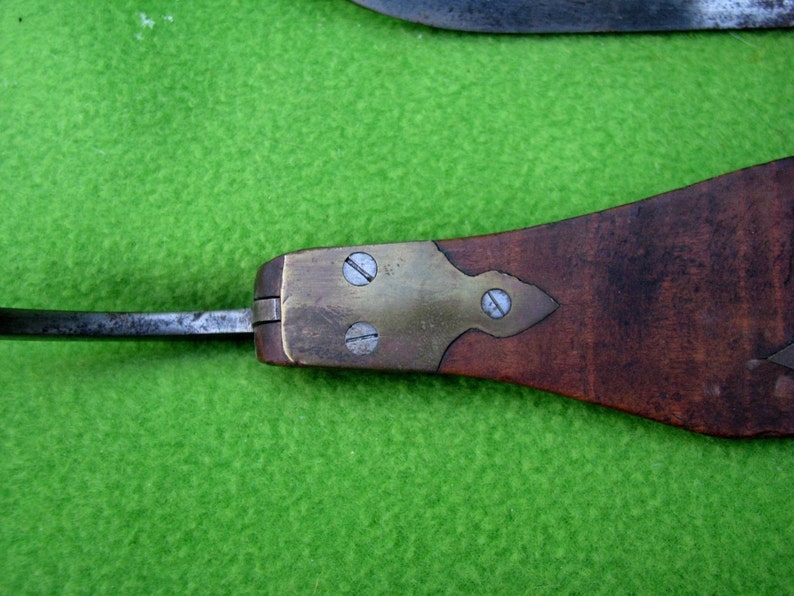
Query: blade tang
(28, 323)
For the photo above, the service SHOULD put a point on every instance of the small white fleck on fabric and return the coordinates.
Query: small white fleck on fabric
(146, 21)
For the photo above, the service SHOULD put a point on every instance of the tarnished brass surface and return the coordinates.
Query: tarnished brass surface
(418, 302)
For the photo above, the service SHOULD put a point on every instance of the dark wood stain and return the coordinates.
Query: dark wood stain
(267, 336)
(669, 306)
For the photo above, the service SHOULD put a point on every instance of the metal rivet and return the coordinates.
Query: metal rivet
(496, 303)
(361, 338)
(359, 269)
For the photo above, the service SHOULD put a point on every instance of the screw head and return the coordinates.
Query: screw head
(361, 338)
(496, 303)
(359, 269)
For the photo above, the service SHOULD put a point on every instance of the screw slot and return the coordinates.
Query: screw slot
(496, 303)
(359, 269)
(361, 338)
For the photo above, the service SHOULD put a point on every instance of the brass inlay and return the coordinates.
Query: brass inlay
(419, 303)
(784, 357)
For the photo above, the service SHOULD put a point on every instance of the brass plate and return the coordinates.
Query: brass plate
(418, 302)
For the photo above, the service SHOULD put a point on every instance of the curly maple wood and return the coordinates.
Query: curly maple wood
(669, 307)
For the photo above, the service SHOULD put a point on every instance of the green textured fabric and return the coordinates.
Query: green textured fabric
(153, 154)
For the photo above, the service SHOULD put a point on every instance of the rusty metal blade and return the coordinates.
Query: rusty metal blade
(588, 16)
(53, 324)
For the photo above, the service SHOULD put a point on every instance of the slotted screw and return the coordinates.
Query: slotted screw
(361, 338)
(496, 303)
(359, 269)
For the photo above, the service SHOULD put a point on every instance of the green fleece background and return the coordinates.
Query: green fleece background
(153, 162)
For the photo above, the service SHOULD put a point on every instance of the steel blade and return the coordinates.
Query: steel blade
(24, 323)
(588, 16)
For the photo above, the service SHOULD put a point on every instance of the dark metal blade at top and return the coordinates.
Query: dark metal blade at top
(588, 16)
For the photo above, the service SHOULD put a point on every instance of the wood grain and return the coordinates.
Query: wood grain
(669, 306)
(267, 336)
